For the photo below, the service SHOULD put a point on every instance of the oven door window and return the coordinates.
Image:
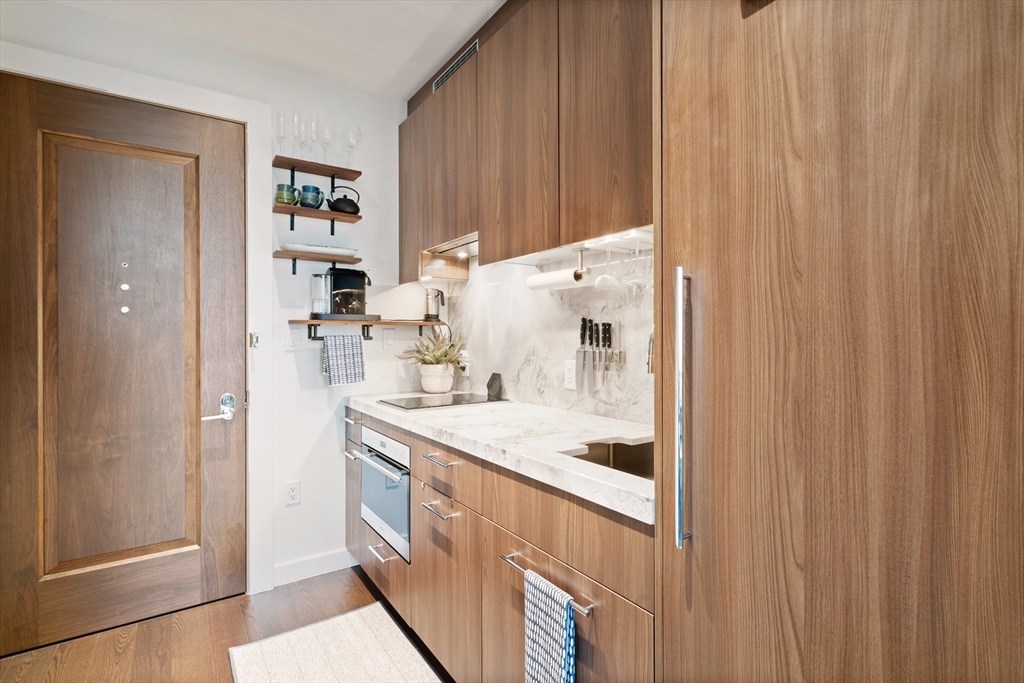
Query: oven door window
(385, 503)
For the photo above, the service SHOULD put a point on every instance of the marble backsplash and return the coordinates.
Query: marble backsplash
(527, 336)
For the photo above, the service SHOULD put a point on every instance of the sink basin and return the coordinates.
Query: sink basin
(637, 459)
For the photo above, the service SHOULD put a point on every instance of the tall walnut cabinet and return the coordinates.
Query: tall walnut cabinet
(843, 183)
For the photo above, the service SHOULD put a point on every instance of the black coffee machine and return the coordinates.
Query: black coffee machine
(348, 295)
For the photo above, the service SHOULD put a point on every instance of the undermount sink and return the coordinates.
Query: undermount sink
(635, 459)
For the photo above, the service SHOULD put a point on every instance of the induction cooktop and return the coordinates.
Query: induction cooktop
(440, 400)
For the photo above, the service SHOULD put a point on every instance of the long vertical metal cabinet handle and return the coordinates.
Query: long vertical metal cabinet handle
(682, 287)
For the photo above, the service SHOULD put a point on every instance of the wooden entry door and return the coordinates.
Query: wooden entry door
(122, 285)
(844, 183)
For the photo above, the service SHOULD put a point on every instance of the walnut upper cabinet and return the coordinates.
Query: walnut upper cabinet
(437, 149)
(518, 106)
(605, 117)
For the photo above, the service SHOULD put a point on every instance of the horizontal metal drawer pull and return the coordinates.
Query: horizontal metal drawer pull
(377, 555)
(580, 609)
(436, 513)
(431, 458)
(352, 422)
(386, 472)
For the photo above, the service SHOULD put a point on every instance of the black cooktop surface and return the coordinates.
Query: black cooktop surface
(439, 400)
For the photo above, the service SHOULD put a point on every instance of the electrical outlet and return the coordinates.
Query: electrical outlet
(570, 375)
(293, 492)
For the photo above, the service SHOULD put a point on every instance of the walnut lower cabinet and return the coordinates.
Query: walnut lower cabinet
(466, 604)
(445, 583)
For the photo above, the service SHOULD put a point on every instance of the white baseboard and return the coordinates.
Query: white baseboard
(314, 565)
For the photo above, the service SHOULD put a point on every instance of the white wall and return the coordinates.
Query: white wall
(303, 420)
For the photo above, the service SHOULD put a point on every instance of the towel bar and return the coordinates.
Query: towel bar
(585, 611)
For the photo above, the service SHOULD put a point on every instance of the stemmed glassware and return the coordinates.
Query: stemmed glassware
(314, 133)
(609, 278)
(351, 136)
(328, 133)
(280, 129)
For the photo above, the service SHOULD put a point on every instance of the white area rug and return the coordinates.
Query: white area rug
(363, 645)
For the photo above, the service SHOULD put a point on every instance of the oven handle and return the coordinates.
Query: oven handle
(386, 472)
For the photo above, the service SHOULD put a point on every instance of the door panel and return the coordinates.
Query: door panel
(131, 452)
(123, 236)
(843, 181)
(518, 109)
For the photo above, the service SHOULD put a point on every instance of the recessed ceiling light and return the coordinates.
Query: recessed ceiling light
(463, 254)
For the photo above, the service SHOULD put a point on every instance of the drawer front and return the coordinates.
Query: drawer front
(389, 572)
(610, 548)
(353, 520)
(614, 643)
(451, 472)
(354, 426)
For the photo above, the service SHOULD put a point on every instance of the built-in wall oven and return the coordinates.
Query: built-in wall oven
(385, 488)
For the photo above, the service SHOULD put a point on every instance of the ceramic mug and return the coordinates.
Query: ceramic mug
(287, 194)
(311, 197)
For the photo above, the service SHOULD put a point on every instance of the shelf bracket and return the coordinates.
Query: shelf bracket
(332, 227)
(293, 265)
(334, 177)
(421, 330)
(366, 333)
(293, 176)
(313, 333)
(293, 223)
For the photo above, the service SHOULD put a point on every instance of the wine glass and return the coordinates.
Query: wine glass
(328, 133)
(303, 134)
(608, 278)
(351, 136)
(280, 130)
(295, 123)
(314, 133)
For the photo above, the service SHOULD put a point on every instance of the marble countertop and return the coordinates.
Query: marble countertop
(532, 440)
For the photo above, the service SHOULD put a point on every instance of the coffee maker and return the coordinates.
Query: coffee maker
(347, 295)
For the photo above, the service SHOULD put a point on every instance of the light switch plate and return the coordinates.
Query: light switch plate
(570, 375)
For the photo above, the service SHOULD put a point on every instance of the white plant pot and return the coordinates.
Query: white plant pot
(437, 379)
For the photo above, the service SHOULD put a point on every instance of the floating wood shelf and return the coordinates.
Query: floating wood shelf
(294, 256)
(320, 214)
(313, 326)
(315, 168)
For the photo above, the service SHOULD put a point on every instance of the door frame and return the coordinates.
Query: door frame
(259, 231)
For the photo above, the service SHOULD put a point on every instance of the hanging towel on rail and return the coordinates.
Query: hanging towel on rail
(550, 632)
(342, 359)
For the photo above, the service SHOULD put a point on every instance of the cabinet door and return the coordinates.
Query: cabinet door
(605, 114)
(446, 581)
(387, 569)
(353, 496)
(411, 192)
(840, 184)
(518, 100)
(614, 643)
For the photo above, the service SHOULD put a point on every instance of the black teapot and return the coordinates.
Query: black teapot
(344, 204)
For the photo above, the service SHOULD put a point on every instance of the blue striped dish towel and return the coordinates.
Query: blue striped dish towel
(342, 359)
(550, 632)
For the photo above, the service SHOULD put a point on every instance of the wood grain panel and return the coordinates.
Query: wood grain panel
(353, 502)
(129, 452)
(608, 547)
(445, 581)
(845, 183)
(518, 109)
(604, 110)
(412, 191)
(90, 172)
(615, 643)
(75, 603)
(392, 577)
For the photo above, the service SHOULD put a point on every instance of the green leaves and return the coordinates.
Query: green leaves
(436, 349)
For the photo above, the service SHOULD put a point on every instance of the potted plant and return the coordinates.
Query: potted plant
(437, 356)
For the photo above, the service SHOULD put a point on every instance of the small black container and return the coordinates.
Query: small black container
(348, 291)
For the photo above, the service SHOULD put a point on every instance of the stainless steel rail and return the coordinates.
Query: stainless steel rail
(580, 609)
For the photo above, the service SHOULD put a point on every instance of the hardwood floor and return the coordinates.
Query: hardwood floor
(190, 645)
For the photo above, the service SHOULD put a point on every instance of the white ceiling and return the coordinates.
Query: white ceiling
(389, 47)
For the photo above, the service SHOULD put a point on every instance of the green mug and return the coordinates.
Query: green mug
(287, 194)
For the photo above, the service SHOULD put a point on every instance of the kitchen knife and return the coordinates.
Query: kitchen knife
(581, 354)
(593, 357)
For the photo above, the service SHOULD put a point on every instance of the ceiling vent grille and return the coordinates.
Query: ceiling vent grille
(463, 58)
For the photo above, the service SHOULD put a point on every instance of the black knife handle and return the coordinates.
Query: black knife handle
(583, 331)
(606, 335)
(591, 326)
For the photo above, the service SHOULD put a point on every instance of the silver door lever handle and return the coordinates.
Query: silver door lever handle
(227, 409)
